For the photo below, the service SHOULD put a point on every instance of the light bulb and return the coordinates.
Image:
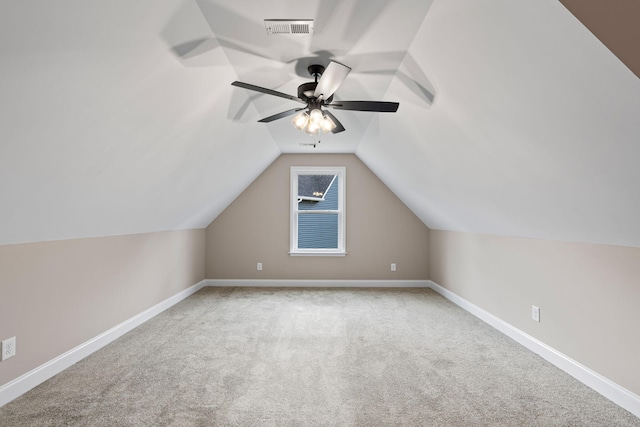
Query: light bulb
(315, 122)
(312, 128)
(315, 117)
(300, 120)
(327, 124)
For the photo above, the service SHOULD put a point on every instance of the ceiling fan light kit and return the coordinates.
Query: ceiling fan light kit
(313, 122)
(318, 94)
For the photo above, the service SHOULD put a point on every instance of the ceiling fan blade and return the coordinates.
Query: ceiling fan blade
(280, 115)
(376, 106)
(331, 79)
(267, 91)
(339, 127)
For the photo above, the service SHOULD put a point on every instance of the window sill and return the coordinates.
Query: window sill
(319, 253)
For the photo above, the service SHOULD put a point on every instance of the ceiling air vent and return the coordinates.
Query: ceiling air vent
(301, 27)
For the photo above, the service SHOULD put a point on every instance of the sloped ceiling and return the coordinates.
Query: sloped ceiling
(118, 117)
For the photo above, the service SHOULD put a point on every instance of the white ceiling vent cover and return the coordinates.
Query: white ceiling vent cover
(300, 27)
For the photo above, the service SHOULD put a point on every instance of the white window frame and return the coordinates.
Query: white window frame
(341, 172)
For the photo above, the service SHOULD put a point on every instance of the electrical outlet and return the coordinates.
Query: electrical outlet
(535, 313)
(8, 348)
(393, 266)
(259, 266)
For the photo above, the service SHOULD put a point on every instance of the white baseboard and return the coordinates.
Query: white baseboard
(26, 382)
(319, 283)
(612, 391)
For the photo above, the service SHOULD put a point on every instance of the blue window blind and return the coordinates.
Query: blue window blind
(318, 231)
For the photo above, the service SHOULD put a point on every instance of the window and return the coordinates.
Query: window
(317, 211)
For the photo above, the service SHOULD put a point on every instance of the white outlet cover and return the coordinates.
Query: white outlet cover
(8, 348)
(535, 313)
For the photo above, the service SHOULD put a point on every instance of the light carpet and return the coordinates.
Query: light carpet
(314, 357)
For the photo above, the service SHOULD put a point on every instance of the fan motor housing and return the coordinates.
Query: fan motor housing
(306, 90)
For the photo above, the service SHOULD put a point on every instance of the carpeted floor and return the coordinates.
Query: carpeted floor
(299, 357)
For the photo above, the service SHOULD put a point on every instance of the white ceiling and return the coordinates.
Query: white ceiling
(118, 117)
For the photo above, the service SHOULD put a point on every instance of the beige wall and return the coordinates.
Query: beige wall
(588, 294)
(57, 295)
(255, 228)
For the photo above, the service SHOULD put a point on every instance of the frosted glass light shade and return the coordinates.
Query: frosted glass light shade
(327, 124)
(300, 120)
(315, 122)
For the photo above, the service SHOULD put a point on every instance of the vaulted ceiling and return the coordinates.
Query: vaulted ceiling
(119, 117)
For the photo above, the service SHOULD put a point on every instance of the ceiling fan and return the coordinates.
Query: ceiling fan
(318, 95)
